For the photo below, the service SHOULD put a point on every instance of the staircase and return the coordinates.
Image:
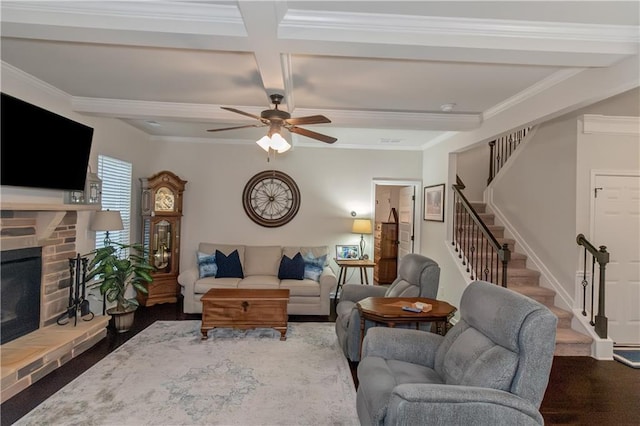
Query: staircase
(527, 282)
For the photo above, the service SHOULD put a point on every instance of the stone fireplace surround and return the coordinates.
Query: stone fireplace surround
(29, 358)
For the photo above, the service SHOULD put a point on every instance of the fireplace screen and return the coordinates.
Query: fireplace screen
(20, 278)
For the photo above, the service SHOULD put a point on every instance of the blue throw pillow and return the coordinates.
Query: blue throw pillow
(291, 269)
(207, 264)
(313, 266)
(229, 266)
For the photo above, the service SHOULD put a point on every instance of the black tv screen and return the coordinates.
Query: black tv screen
(41, 149)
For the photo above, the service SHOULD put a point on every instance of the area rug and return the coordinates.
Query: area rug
(627, 355)
(167, 375)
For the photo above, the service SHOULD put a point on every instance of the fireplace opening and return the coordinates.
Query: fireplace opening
(20, 281)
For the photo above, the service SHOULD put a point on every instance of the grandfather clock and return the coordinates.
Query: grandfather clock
(161, 206)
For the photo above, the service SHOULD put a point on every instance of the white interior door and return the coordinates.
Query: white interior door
(405, 219)
(617, 226)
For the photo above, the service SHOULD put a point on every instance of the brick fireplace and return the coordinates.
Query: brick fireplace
(18, 230)
(32, 356)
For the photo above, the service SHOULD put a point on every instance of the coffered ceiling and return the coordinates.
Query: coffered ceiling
(382, 71)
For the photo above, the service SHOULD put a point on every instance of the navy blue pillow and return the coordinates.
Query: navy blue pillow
(291, 269)
(229, 266)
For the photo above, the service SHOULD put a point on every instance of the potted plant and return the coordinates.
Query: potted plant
(117, 268)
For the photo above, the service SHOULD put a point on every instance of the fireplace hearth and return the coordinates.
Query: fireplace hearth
(20, 287)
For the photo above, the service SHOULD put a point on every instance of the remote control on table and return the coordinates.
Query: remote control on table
(410, 309)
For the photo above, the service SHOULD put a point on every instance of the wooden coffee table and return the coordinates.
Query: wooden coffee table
(388, 310)
(245, 309)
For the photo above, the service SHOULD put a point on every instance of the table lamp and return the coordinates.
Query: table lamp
(105, 221)
(361, 226)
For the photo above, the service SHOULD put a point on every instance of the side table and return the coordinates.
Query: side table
(362, 265)
(388, 310)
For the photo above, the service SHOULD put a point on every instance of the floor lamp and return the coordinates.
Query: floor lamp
(361, 226)
(105, 221)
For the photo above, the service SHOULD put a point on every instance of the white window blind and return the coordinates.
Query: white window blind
(116, 195)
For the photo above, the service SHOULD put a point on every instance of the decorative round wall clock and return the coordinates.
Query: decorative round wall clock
(271, 198)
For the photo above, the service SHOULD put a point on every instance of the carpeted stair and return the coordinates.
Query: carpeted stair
(527, 281)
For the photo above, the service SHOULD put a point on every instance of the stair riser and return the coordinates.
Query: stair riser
(563, 322)
(572, 349)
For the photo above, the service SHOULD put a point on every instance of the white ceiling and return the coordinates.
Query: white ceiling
(380, 70)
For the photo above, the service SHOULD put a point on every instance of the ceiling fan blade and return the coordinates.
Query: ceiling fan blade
(311, 119)
(248, 114)
(236, 127)
(310, 134)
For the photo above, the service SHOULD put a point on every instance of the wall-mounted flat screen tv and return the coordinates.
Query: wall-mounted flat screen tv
(41, 149)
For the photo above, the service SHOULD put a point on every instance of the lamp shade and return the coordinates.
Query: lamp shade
(361, 226)
(107, 220)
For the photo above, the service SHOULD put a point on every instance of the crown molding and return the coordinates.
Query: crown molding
(197, 18)
(9, 71)
(610, 125)
(119, 108)
(303, 24)
(533, 90)
(123, 108)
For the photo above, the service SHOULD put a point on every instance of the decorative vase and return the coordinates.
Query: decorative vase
(122, 320)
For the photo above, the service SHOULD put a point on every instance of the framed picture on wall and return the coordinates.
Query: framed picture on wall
(347, 252)
(434, 203)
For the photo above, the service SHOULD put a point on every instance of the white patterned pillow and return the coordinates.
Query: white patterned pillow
(313, 266)
(207, 266)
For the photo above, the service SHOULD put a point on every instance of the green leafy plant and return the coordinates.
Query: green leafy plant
(117, 267)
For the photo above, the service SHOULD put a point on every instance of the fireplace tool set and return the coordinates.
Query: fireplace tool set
(78, 304)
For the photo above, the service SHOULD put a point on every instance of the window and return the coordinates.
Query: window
(116, 195)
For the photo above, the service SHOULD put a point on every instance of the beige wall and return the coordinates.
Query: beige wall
(536, 195)
(545, 193)
(473, 168)
(330, 186)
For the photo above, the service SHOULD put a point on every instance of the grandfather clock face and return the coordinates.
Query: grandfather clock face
(164, 200)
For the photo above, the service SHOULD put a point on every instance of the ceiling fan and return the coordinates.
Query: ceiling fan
(277, 119)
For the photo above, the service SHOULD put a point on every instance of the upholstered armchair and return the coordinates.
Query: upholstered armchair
(492, 367)
(418, 276)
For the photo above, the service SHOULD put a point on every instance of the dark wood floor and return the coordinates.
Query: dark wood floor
(581, 391)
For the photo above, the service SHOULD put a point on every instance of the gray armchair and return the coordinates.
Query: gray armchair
(418, 276)
(492, 367)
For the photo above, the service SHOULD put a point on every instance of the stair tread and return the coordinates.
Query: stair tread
(531, 290)
(559, 312)
(522, 272)
(567, 335)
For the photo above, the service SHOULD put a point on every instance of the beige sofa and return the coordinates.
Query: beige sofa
(260, 266)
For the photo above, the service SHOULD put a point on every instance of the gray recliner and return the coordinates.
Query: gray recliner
(492, 367)
(418, 276)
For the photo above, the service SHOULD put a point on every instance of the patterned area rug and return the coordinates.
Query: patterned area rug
(166, 375)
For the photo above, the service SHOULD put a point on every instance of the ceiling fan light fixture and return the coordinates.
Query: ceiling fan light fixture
(264, 143)
(279, 143)
(275, 142)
